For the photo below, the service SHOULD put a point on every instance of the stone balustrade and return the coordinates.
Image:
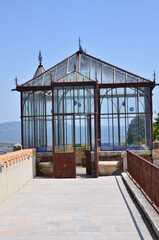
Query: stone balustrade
(16, 169)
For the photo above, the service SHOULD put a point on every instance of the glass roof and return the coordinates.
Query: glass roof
(86, 68)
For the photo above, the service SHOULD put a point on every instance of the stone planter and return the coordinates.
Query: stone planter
(45, 169)
(108, 168)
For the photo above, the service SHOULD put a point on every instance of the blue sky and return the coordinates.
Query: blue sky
(124, 33)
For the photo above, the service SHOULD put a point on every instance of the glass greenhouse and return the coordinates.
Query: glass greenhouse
(88, 103)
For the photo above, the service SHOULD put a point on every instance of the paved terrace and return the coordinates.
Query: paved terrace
(82, 208)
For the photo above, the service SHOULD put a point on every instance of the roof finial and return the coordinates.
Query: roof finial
(80, 46)
(16, 81)
(79, 43)
(40, 58)
(154, 76)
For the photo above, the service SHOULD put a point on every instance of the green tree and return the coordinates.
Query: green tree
(156, 128)
(133, 132)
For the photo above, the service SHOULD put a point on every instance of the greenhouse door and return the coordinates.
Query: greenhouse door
(74, 102)
(83, 142)
(64, 165)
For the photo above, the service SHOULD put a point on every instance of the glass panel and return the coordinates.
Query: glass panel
(103, 108)
(92, 99)
(141, 98)
(107, 74)
(83, 132)
(106, 133)
(58, 100)
(87, 132)
(69, 134)
(40, 134)
(36, 133)
(116, 131)
(25, 103)
(110, 105)
(145, 131)
(148, 127)
(77, 132)
(89, 99)
(74, 77)
(69, 77)
(58, 136)
(84, 65)
(95, 70)
(90, 127)
(60, 70)
(30, 132)
(122, 140)
(115, 101)
(52, 75)
(120, 91)
(130, 78)
(49, 134)
(131, 101)
(28, 104)
(142, 129)
(47, 78)
(122, 105)
(79, 100)
(132, 131)
(119, 76)
(37, 81)
(39, 103)
(73, 61)
(144, 100)
(105, 101)
(48, 103)
(24, 133)
(68, 100)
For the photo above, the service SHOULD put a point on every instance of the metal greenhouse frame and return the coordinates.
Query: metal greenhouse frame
(88, 103)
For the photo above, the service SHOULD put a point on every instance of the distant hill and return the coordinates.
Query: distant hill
(10, 132)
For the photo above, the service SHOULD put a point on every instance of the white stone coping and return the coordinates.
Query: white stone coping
(151, 214)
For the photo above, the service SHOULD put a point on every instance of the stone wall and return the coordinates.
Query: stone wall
(16, 169)
(155, 153)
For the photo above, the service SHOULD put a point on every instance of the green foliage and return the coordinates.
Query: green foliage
(133, 136)
(147, 154)
(156, 128)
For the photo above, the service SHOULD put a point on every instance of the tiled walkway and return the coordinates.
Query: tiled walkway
(82, 208)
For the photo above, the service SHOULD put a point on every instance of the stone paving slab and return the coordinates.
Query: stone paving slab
(74, 209)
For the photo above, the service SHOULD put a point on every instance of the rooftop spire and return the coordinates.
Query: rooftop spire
(154, 76)
(40, 58)
(80, 46)
(40, 68)
(16, 81)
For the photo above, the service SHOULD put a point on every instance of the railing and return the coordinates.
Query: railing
(146, 176)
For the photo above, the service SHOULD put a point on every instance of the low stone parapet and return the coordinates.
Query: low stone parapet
(110, 155)
(16, 169)
(108, 168)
